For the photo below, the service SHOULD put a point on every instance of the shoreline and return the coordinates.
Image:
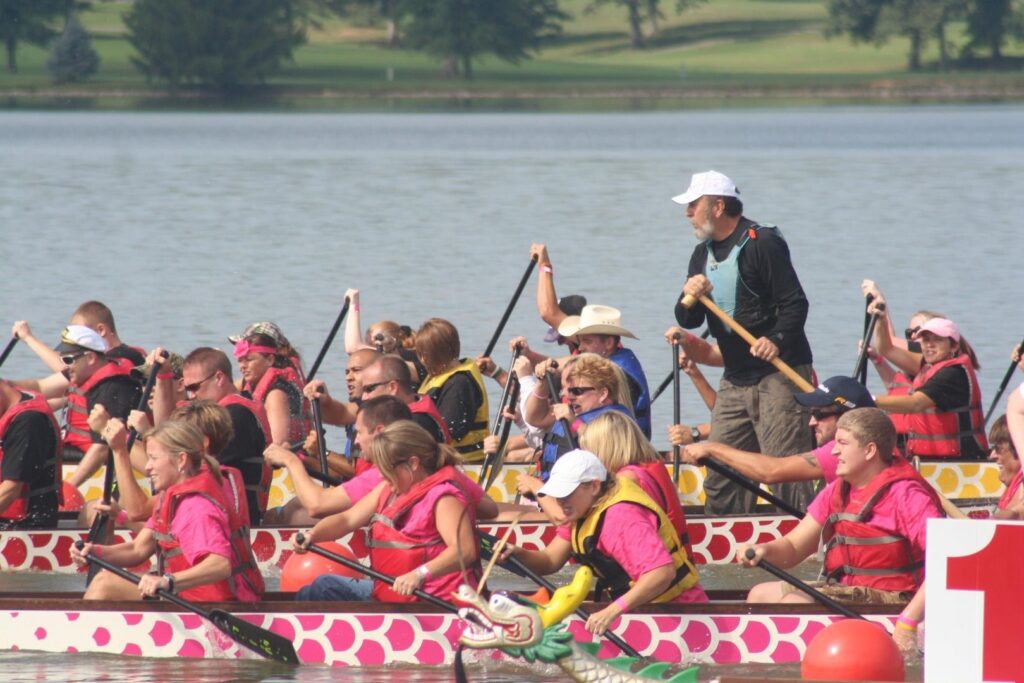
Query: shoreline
(877, 92)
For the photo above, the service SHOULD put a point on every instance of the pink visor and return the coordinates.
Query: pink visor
(942, 327)
(244, 348)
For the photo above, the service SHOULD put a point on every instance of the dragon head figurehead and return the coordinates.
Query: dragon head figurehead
(507, 622)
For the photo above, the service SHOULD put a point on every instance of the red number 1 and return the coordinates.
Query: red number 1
(998, 571)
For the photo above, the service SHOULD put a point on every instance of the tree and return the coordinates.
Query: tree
(28, 21)
(876, 21)
(222, 44)
(460, 30)
(989, 24)
(639, 12)
(72, 58)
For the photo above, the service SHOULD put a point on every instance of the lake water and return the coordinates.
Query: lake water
(192, 225)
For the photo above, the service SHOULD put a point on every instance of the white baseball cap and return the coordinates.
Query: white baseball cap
(708, 182)
(570, 470)
(81, 338)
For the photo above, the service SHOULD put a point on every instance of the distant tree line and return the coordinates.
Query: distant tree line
(229, 45)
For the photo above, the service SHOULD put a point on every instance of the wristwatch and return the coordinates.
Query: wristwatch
(695, 433)
(170, 582)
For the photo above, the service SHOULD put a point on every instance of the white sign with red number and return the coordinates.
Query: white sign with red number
(974, 603)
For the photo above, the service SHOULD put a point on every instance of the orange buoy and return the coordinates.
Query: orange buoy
(73, 500)
(853, 650)
(301, 570)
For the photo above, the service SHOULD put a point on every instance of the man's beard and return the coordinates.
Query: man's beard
(704, 231)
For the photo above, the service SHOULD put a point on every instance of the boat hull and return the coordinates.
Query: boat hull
(361, 634)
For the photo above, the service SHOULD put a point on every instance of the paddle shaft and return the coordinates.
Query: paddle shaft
(668, 378)
(7, 349)
(809, 590)
(677, 461)
(860, 369)
(100, 522)
(491, 458)
(327, 342)
(498, 459)
(779, 364)
(1002, 385)
(321, 441)
(231, 628)
(518, 567)
(376, 575)
(511, 306)
(862, 375)
(738, 478)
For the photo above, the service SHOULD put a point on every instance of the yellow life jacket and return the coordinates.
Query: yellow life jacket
(611, 576)
(471, 445)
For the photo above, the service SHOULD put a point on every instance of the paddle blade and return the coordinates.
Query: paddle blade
(261, 641)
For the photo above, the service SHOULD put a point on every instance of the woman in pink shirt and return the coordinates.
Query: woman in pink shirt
(616, 529)
(192, 529)
(421, 519)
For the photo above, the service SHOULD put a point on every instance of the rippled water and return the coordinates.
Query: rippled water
(190, 226)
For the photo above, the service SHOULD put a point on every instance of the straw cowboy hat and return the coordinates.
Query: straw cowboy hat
(595, 319)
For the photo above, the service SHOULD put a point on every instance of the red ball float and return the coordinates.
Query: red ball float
(301, 570)
(73, 500)
(853, 650)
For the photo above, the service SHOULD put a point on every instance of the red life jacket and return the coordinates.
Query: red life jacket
(937, 434)
(900, 386)
(301, 421)
(1011, 490)
(77, 433)
(669, 501)
(870, 556)
(263, 488)
(243, 564)
(425, 405)
(18, 508)
(395, 553)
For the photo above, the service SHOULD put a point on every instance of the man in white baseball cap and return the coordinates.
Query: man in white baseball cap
(746, 269)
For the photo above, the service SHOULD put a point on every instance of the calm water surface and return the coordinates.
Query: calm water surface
(190, 226)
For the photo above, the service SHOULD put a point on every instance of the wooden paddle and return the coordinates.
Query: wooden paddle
(100, 531)
(511, 306)
(261, 641)
(836, 607)
(677, 461)
(7, 349)
(487, 545)
(780, 365)
(991, 408)
(375, 575)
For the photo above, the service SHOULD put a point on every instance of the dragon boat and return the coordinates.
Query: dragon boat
(725, 631)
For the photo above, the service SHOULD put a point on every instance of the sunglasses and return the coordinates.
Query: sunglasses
(579, 391)
(367, 388)
(70, 358)
(820, 415)
(191, 389)
(909, 333)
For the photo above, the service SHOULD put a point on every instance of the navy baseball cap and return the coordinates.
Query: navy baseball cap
(845, 392)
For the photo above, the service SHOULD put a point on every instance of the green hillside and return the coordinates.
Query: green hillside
(724, 49)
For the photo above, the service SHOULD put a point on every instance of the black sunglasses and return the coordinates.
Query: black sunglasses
(367, 388)
(909, 333)
(194, 387)
(824, 414)
(579, 391)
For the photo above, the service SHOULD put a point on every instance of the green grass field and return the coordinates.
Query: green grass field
(721, 49)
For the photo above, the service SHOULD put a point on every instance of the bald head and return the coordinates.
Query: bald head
(357, 362)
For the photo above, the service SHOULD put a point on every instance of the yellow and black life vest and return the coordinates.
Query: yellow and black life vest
(611, 576)
(471, 445)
